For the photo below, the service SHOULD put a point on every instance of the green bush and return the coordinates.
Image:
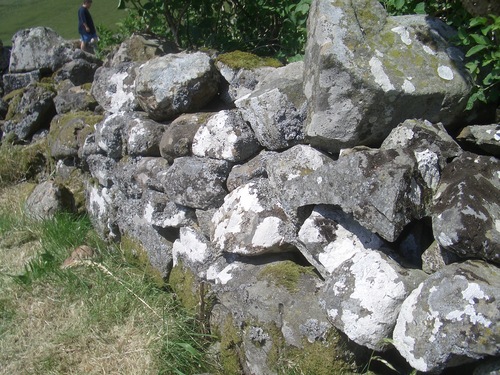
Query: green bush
(264, 27)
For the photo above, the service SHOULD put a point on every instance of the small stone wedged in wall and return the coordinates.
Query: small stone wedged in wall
(178, 137)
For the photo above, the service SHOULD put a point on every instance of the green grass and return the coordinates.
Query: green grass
(60, 15)
(106, 314)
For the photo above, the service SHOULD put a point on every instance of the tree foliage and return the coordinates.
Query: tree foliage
(478, 34)
(264, 27)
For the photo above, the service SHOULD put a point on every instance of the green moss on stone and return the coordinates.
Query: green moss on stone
(135, 253)
(183, 283)
(321, 358)
(286, 274)
(246, 60)
(230, 348)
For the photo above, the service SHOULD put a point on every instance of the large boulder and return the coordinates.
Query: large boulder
(367, 72)
(39, 48)
(276, 109)
(451, 318)
(173, 84)
(466, 211)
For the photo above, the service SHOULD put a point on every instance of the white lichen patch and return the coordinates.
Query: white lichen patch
(122, 95)
(473, 293)
(405, 343)
(229, 218)
(189, 247)
(268, 233)
(445, 72)
(429, 50)
(470, 313)
(469, 211)
(136, 133)
(408, 87)
(381, 78)
(148, 213)
(217, 138)
(428, 166)
(403, 33)
(224, 276)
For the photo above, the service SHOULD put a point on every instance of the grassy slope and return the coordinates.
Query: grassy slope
(106, 317)
(56, 14)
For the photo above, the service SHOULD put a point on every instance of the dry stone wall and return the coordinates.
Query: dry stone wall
(321, 207)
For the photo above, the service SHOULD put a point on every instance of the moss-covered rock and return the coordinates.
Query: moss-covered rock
(68, 132)
(246, 60)
(286, 274)
(135, 253)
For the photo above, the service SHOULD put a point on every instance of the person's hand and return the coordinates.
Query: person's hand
(87, 29)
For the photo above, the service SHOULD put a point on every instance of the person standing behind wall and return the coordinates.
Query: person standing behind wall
(86, 27)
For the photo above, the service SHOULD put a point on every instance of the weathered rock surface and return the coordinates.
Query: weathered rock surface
(225, 136)
(81, 69)
(361, 78)
(364, 294)
(330, 237)
(451, 318)
(276, 109)
(485, 138)
(32, 112)
(140, 48)
(48, 199)
(73, 98)
(383, 199)
(239, 82)
(252, 222)
(466, 212)
(68, 133)
(197, 182)
(39, 48)
(113, 88)
(177, 140)
(170, 85)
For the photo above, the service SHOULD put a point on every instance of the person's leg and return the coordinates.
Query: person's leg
(84, 43)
